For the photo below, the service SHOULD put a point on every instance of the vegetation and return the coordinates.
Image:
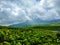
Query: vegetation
(34, 35)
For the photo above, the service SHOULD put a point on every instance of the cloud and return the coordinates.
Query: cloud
(46, 10)
(28, 18)
(13, 11)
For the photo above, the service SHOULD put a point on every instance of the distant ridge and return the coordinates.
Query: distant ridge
(36, 22)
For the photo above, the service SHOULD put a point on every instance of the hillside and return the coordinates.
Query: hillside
(32, 35)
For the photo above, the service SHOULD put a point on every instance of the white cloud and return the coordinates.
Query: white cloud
(28, 18)
(13, 11)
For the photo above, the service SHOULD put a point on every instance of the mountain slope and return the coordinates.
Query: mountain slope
(36, 22)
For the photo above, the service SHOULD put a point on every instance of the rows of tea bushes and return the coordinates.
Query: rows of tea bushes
(29, 37)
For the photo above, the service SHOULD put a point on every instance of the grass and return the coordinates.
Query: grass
(32, 35)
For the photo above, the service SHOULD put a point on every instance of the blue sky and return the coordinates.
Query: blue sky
(18, 11)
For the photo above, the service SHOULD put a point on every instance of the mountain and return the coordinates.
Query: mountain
(23, 24)
(35, 22)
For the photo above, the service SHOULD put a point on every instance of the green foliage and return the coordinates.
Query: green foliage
(28, 36)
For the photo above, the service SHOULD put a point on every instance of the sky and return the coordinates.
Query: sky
(19, 11)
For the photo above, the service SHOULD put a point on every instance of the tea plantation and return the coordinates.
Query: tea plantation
(35, 35)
